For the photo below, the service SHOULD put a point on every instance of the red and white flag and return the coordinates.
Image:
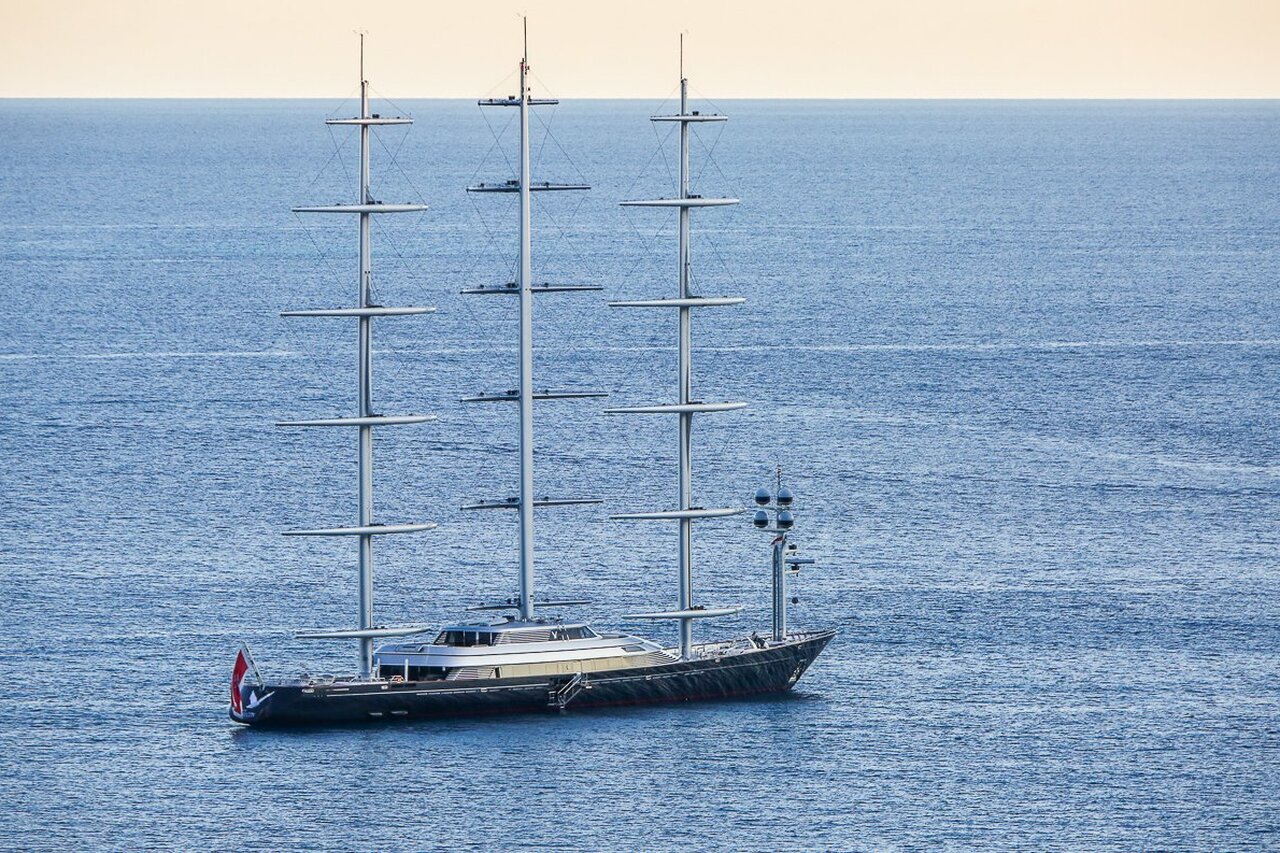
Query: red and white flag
(238, 672)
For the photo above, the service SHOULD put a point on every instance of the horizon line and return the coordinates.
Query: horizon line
(1275, 97)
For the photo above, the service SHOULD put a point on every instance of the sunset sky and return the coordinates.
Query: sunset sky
(747, 48)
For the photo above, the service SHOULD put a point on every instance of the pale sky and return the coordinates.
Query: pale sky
(605, 49)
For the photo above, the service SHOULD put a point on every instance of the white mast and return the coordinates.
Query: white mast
(365, 386)
(686, 406)
(366, 418)
(686, 379)
(525, 394)
(526, 351)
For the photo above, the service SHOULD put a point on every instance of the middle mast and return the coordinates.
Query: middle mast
(525, 395)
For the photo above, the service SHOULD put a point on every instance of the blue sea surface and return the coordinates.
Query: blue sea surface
(1020, 361)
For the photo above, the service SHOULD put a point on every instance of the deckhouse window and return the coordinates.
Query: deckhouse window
(466, 638)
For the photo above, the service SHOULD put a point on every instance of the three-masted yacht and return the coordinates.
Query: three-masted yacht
(525, 661)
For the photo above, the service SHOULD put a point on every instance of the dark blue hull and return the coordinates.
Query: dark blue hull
(743, 673)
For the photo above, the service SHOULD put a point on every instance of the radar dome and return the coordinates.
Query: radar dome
(763, 497)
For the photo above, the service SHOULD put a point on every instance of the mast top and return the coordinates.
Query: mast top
(361, 34)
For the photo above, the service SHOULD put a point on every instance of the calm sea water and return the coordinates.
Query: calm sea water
(1019, 360)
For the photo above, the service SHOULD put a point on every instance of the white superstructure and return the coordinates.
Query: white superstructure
(514, 649)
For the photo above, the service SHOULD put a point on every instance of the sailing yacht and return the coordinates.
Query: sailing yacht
(526, 661)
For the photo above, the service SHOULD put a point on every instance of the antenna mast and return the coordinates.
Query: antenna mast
(775, 509)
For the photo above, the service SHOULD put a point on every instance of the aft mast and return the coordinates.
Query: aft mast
(366, 418)
(524, 394)
(686, 406)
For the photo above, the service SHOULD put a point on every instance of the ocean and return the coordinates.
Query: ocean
(1020, 362)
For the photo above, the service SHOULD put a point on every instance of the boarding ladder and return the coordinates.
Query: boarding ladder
(561, 695)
